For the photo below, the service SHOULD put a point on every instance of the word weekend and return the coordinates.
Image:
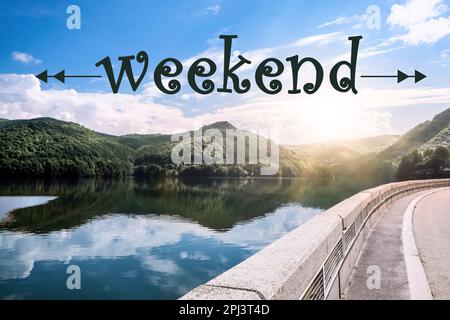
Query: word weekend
(169, 69)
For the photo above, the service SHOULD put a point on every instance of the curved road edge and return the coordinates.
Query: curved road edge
(417, 279)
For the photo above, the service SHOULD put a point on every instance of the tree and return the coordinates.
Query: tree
(408, 165)
(438, 161)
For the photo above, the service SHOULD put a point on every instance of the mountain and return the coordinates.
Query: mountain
(220, 125)
(369, 145)
(49, 147)
(324, 154)
(155, 158)
(52, 148)
(3, 122)
(334, 152)
(135, 141)
(426, 135)
(441, 139)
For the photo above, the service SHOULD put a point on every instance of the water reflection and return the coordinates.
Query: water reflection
(146, 240)
(216, 204)
(8, 204)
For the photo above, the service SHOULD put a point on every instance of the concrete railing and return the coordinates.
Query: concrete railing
(314, 261)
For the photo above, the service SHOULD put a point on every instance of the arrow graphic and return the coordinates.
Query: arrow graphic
(401, 76)
(43, 76)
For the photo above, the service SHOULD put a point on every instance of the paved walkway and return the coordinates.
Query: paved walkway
(431, 227)
(383, 248)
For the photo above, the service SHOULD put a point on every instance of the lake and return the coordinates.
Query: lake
(145, 239)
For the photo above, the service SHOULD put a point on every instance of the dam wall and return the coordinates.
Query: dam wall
(315, 260)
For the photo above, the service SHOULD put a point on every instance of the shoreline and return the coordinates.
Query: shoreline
(11, 203)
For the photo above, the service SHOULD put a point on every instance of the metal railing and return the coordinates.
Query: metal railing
(321, 284)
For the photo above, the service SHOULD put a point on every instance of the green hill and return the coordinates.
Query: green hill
(428, 135)
(369, 145)
(418, 137)
(52, 148)
(155, 158)
(441, 139)
(49, 147)
(325, 154)
(335, 152)
(135, 141)
(3, 122)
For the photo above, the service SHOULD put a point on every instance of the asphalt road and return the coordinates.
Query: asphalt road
(431, 228)
(383, 249)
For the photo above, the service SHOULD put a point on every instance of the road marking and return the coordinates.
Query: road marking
(417, 280)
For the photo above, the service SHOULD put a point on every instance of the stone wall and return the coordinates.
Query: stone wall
(315, 260)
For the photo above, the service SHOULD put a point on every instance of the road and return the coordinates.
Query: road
(384, 250)
(431, 227)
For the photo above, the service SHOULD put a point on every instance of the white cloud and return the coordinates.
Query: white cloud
(213, 9)
(299, 118)
(119, 236)
(192, 96)
(445, 54)
(24, 58)
(371, 52)
(320, 39)
(415, 11)
(337, 21)
(22, 97)
(423, 20)
(356, 19)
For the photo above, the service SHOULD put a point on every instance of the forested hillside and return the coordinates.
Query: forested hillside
(418, 153)
(420, 136)
(49, 147)
(155, 158)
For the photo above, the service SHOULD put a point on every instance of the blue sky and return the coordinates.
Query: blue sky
(163, 28)
(413, 34)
